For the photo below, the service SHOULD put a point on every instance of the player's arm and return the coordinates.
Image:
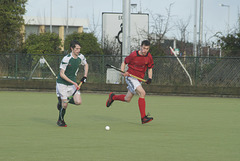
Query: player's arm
(84, 78)
(150, 72)
(86, 70)
(85, 64)
(123, 65)
(63, 76)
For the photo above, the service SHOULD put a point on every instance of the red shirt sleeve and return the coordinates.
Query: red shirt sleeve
(150, 64)
(129, 57)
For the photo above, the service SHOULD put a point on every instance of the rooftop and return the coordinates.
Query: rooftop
(56, 21)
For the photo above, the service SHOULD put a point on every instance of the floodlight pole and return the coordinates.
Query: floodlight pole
(238, 21)
(223, 5)
(67, 17)
(126, 28)
(112, 5)
(134, 5)
(71, 7)
(50, 16)
(195, 31)
(201, 27)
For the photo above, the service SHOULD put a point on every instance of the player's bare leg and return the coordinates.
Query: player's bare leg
(128, 96)
(77, 99)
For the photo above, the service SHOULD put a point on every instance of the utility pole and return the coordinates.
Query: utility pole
(112, 5)
(67, 17)
(195, 31)
(50, 16)
(238, 21)
(201, 28)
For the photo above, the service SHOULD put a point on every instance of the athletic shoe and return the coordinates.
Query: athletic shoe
(61, 123)
(110, 100)
(146, 119)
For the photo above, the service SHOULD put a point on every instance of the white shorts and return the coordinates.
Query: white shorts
(65, 91)
(132, 83)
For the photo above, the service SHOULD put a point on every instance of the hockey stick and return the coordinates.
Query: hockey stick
(69, 98)
(111, 66)
(190, 79)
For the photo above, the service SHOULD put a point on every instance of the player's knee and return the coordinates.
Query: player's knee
(78, 102)
(128, 99)
(143, 94)
(64, 105)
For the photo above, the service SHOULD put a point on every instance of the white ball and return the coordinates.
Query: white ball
(107, 128)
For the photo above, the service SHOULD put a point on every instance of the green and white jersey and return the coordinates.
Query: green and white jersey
(71, 67)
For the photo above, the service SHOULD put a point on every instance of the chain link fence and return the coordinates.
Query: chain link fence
(204, 71)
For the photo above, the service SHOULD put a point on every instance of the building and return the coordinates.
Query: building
(60, 26)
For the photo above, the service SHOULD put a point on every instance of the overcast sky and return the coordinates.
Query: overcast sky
(215, 17)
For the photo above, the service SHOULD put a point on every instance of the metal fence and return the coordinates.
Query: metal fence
(204, 71)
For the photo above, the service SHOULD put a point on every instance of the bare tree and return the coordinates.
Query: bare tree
(158, 29)
(111, 47)
(94, 26)
(181, 26)
(161, 24)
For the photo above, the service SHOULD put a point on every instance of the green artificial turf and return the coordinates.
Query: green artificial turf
(183, 129)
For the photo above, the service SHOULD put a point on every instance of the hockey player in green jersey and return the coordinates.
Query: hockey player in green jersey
(66, 82)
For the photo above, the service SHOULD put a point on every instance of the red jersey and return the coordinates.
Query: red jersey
(138, 64)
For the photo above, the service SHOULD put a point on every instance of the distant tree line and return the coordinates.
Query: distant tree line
(231, 44)
(11, 21)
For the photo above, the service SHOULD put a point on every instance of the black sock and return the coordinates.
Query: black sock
(59, 105)
(59, 100)
(61, 114)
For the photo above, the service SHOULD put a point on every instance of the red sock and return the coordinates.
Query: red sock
(119, 97)
(141, 104)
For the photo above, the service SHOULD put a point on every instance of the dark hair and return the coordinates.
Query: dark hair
(145, 42)
(74, 43)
